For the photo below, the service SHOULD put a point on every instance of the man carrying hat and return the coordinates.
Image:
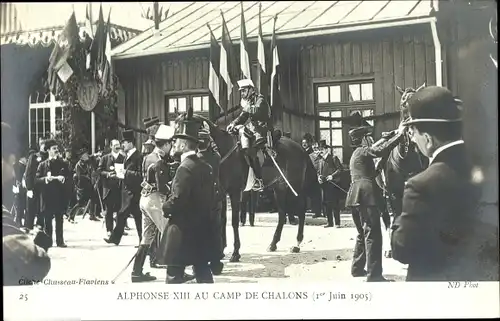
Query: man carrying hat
(130, 181)
(364, 197)
(189, 238)
(436, 233)
(51, 175)
(254, 134)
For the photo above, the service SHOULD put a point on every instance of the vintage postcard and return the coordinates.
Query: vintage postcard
(250, 160)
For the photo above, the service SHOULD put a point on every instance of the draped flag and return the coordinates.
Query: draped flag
(214, 73)
(244, 59)
(225, 67)
(108, 66)
(275, 85)
(89, 30)
(261, 57)
(98, 47)
(63, 51)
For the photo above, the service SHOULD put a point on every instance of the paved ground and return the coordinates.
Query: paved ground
(325, 254)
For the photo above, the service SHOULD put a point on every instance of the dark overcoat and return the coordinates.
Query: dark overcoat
(439, 234)
(190, 237)
(110, 185)
(131, 184)
(329, 165)
(54, 192)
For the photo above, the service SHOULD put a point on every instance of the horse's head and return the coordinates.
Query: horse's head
(406, 94)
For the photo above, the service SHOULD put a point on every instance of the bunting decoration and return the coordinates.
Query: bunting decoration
(275, 85)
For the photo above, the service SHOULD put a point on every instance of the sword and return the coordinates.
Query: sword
(340, 188)
(281, 173)
(126, 267)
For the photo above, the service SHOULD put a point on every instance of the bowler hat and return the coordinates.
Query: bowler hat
(434, 105)
(322, 144)
(360, 132)
(49, 143)
(128, 135)
(82, 151)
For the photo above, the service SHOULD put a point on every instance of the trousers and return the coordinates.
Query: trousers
(368, 247)
(153, 219)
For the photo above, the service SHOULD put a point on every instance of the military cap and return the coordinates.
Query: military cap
(360, 132)
(49, 143)
(243, 83)
(164, 132)
(434, 105)
(128, 135)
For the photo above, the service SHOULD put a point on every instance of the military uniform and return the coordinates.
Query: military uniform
(364, 199)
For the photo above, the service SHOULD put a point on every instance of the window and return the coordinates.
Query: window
(341, 100)
(177, 104)
(46, 113)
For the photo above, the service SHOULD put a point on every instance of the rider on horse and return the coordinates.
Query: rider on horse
(253, 134)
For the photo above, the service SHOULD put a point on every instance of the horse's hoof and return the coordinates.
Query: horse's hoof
(272, 248)
(235, 258)
(216, 268)
(295, 249)
(388, 254)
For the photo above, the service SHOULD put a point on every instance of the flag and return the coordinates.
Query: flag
(225, 58)
(89, 31)
(98, 47)
(261, 57)
(275, 86)
(108, 66)
(244, 60)
(63, 51)
(214, 73)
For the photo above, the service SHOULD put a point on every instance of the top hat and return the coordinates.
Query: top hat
(128, 135)
(82, 151)
(360, 132)
(243, 83)
(187, 129)
(434, 105)
(322, 144)
(49, 143)
(356, 120)
(164, 132)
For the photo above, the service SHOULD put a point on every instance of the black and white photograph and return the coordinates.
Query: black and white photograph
(262, 144)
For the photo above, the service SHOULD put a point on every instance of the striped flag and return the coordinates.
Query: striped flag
(244, 59)
(261, 57)
(225, 67)
(275, 86)
(108, 66)
(214, 73)
(98, 48)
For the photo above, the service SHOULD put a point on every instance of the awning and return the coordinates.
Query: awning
(186, 26)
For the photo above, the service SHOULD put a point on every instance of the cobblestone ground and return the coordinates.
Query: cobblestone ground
(325, 254)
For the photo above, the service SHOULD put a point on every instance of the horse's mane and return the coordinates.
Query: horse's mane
(213, 127)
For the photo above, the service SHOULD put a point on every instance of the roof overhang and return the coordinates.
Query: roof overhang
(288, 34)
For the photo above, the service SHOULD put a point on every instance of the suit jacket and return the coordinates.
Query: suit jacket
(30, 173)
(104, 168)
(329, 165)
(191, 233)
(54, 192)
(364, 190)
(437, 234)
(131, 184)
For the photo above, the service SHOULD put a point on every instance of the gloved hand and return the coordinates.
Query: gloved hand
(29, 194)
(230, 128)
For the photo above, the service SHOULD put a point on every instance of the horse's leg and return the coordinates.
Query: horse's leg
(235, 222)
(301, 213)
(280, 203)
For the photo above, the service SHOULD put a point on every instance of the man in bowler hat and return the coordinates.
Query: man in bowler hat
(437, 233)
(364, 197)
(130, 181)
(191, 235)
(51, 175)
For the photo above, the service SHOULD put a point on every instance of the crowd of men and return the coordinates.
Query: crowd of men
(433, 235)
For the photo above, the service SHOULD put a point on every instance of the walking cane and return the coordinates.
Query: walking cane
(126, 267)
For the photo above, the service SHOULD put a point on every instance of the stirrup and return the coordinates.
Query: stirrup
(258, 186)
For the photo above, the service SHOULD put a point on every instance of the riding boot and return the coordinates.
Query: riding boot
(140, 258)
(255, 165)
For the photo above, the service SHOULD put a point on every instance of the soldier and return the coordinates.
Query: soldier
(364, 199)
(111, 184)
(254, 134)
(51, 175)
(191, 235)
(24, 256)
(210, 155)
(130, 180)
(438, 233)
(329, 167)
(32, 189)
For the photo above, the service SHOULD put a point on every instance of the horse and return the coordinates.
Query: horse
(290, 157)
(404, 161)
